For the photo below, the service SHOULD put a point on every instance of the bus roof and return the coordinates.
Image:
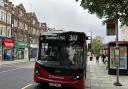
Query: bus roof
(60, 32)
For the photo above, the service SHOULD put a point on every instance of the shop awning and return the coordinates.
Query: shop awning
(8, 42)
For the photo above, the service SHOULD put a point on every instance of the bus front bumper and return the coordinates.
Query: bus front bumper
(75, 84)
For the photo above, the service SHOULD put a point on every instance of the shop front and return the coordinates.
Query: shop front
(7, 49)
(21, 50)
(33, 50)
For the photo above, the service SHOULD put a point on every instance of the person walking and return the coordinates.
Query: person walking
(91, 57)
(97, 58)
(103, 58)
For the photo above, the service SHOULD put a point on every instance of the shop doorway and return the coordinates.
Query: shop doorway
(20, 53)
(7, 54)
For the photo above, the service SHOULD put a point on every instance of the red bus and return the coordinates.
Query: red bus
(61, 59)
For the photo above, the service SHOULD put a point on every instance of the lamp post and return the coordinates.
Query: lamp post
(117, 57)
(91, 43)
(13, 36)
(29, 47)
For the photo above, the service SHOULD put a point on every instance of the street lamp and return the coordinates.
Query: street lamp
(29, 47)
(117, 55)
(91, 42)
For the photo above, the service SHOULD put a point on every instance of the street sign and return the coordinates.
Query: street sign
(110, 27)
(117, 56)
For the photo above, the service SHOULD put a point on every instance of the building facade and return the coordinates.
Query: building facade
(124, 33)
(6, 40)
(19, 32)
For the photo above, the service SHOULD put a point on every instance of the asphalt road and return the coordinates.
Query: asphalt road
(19, 76)
(16, 76)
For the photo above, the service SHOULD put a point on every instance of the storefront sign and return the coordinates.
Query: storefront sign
(21, 45)
(8, 42)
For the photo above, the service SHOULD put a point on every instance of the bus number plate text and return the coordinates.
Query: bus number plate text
(55, 84)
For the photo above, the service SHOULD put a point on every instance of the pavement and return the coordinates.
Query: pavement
(15, 61)
(98, 78)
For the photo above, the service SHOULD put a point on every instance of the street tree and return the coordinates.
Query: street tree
(108, 9)
(96, 44)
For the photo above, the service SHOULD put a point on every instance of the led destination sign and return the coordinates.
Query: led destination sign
(64, 38)
(54, 37)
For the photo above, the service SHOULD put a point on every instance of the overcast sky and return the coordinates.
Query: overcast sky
(66, 15)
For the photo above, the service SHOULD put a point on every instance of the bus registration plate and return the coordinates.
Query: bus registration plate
(55, 84)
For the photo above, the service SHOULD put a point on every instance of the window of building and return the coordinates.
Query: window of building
(8, 32)
(8, 18)
(1, 3)
(20, 37)
(2, 16)
(15, 23)
(34, 21)
(21, 25)
(25, 38)
(1, 29)
(20, 13)
(26, 27)
(33, 41)
(34, 31)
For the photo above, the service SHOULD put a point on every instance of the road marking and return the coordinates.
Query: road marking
(26, 86)
(10, 70)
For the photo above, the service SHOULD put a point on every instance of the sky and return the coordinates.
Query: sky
(66, 15)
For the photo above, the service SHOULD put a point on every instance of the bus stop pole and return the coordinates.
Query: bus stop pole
(117, 83)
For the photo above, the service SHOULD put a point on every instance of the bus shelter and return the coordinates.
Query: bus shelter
(123, 58)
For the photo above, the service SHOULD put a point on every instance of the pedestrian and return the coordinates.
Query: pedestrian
(103, 58)
(97, 58)
(106, 59)
(91, 56)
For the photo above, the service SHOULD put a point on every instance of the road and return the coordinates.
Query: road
(19, 76)
(16, 76)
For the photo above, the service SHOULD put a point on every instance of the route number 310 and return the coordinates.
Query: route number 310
(73, 38)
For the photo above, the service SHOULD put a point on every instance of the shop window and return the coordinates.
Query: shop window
(1, 29)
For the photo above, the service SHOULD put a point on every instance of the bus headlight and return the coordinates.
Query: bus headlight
(77, 77)
(37, 73)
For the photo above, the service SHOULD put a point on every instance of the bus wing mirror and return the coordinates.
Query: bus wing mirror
(88, 38)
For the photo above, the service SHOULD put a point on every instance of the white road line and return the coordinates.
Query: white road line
(26, 86)
(10, 70)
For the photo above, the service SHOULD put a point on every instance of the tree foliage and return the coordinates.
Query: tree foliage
(96, 44)
(117, 9)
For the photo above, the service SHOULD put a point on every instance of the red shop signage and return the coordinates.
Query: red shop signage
(8, 42)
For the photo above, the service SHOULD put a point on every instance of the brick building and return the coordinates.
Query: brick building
(19, 31)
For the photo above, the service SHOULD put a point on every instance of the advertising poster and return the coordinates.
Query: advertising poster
(122, 59)
(112, 59)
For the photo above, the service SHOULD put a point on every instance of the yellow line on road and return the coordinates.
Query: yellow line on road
(26, 86)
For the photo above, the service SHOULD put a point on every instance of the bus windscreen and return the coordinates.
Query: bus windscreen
(60, 55)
